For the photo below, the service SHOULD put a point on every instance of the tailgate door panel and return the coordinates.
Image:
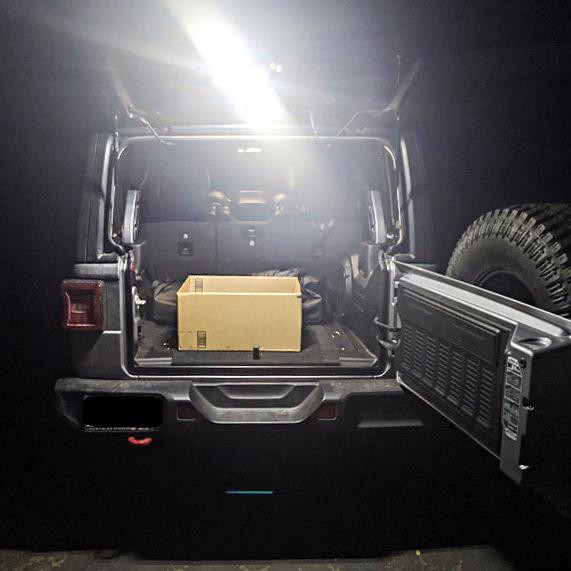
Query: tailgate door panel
(498, 369)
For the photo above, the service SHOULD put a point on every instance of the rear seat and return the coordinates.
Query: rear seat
(177, 249)
(296, 236)
(255, 247)
(281, 244)
(245, 233)
(181, 233)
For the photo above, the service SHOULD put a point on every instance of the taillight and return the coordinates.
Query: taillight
(82, 305)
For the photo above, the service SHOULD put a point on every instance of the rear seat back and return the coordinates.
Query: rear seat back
(177, 249)
(178, 225)
(243, 249)
(315, 221)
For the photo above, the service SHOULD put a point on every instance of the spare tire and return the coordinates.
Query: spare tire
(523, 252)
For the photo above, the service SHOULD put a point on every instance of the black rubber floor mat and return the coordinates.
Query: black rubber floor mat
(318, 348)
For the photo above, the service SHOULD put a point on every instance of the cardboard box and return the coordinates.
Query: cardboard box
(238, 313)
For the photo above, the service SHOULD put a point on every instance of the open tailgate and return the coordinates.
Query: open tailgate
(498, 369)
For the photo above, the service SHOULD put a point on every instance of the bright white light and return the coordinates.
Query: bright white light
(276, 67)
(230, 65)
(249, 150)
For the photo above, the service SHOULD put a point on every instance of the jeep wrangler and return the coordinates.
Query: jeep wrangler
(349, 214)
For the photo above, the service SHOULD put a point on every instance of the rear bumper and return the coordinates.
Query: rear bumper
(366, 403)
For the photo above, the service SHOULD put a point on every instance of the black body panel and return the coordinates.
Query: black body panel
(91, 242)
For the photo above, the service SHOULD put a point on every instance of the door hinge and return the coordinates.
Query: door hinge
(391, 343)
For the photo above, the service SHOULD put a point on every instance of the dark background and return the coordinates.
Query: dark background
(492, 107)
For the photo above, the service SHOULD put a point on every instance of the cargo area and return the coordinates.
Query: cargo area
(292, 208)
(330, 345)
(331, 339)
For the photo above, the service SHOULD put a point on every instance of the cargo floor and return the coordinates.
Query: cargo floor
(329, 345)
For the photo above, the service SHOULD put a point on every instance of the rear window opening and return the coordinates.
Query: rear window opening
(122, 413)
(246, 207)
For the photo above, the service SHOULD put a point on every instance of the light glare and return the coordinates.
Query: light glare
(231, 68)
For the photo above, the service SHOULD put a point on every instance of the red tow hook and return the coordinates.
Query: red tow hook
(140, 441)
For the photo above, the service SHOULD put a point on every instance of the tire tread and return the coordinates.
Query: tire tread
(542, 232)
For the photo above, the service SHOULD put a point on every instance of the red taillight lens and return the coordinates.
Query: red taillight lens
(82, 305)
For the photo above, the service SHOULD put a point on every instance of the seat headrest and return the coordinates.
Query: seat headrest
(184, 193)
(219, 203)
(288, 205)
(252, 205)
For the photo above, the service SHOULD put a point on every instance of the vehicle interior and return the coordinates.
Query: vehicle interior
(300, 207)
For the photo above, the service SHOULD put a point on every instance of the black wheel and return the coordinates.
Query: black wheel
(523, 252)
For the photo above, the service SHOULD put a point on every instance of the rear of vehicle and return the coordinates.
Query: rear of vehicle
(349, 218)
(319, 209)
